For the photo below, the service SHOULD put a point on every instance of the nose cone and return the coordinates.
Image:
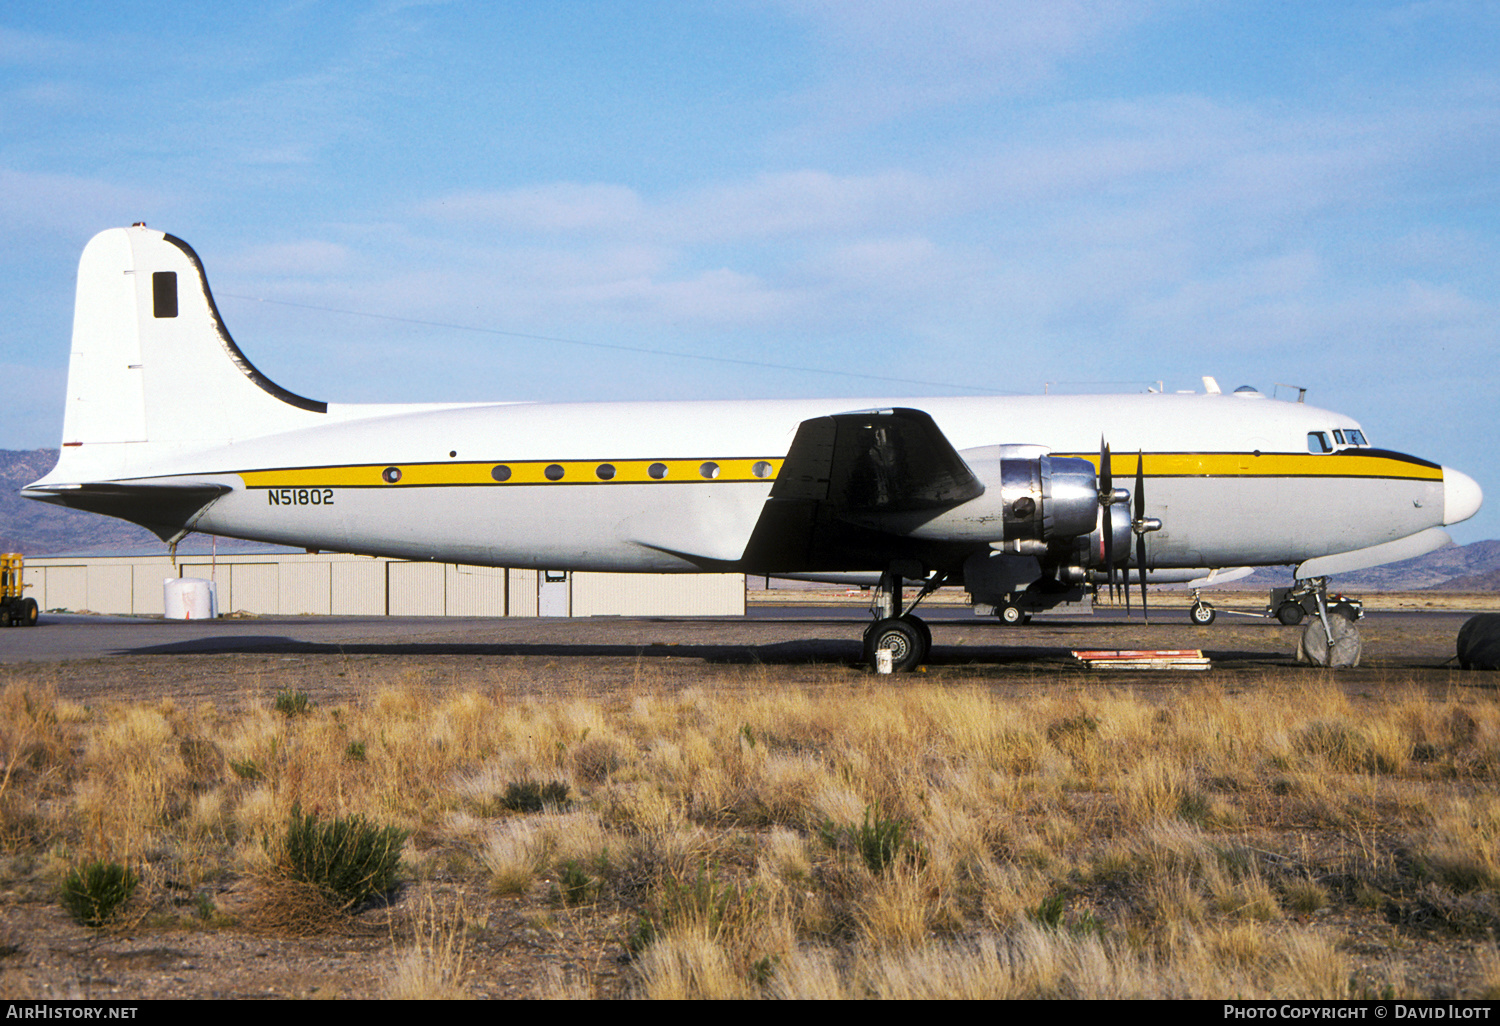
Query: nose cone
(1462, 496)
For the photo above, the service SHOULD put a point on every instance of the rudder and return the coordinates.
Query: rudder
(152, 367)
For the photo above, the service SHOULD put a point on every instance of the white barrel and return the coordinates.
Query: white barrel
(190, 598)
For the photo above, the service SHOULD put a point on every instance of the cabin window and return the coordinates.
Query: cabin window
(1317, 441)
(606, 471)
(762, 469)
(164, 293)
(554, 472)
(658, 471)
(501, 472)
(709, 470)
(391, 475)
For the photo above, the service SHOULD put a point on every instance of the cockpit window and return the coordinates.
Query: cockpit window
(1317, 441)
(1338, 436)
(1356, 437)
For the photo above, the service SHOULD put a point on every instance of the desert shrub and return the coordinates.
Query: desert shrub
(710, 902)
(574, 886)
(247, 769)
(879, 840)
(349, 859)
(532, 796)
(93, 892)
(292, 703)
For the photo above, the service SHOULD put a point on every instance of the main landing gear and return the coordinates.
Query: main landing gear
(896, 630)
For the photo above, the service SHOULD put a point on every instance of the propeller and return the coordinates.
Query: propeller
(1141, 525)
(1106, 500)
(1109, 498)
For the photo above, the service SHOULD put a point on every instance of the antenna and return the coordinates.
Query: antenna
(1301, 392)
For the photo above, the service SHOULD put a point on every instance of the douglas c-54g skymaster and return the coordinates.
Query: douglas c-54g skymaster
(1019, 500)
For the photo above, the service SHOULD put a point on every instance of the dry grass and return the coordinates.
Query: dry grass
(1087, 844)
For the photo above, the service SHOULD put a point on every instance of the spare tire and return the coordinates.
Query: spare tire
(1479, 642)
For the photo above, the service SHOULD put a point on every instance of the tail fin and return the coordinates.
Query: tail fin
(153, 369)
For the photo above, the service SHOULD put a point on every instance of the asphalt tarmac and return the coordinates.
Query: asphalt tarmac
(786, 636)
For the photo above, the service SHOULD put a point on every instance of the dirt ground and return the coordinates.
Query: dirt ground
(518, 946)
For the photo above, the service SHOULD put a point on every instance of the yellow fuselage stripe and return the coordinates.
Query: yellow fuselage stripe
(1267, 464)
(680, 471)
(522, 472)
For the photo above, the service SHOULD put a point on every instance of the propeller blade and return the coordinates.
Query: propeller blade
(1140, 558)
(1140, 519)
(1106, 495)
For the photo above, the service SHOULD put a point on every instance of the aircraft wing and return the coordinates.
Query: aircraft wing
(841, 474)
(876, 461)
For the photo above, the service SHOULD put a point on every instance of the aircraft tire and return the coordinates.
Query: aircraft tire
(1203, 614)
(1315, 649)
(29, 612)
(899, 635)
(925, 631)
(1011, 615)
(1290, 614)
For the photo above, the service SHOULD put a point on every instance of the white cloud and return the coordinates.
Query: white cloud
(310, 257)
(890, 57)
(554, 207)
(71, 204)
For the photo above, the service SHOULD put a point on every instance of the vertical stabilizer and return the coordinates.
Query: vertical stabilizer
(153, 370)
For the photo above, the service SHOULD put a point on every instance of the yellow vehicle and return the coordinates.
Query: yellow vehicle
(15, 611)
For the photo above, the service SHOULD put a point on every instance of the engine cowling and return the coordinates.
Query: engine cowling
(1032, 501)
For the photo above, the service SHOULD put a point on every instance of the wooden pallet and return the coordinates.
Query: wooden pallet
(1144, 659)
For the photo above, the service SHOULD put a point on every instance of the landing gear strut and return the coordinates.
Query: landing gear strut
(1330, 638)
(896, 630)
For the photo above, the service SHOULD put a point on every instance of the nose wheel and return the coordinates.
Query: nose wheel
(1202, 614)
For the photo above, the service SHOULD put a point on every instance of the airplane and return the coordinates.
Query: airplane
(1021, 500)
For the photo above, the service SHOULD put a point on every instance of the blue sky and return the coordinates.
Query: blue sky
(973, 195)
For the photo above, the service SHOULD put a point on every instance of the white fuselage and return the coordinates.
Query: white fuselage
(1230, 477)
(168, 424)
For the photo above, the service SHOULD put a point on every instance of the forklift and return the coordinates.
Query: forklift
(15, 611)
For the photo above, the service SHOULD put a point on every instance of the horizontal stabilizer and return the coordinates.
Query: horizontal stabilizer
(164, 509)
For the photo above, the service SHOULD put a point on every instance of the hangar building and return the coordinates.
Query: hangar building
(343, 585)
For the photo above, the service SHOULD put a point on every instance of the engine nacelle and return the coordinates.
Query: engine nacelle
(1031, 501)
(1087, 551)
